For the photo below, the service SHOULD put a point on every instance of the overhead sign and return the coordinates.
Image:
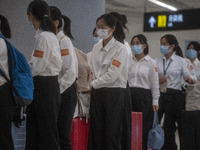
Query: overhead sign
(167, 21)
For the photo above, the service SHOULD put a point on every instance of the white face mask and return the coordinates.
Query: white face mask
(103, 33)
(30, 24)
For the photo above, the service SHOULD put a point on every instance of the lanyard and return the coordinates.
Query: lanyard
(165, 70)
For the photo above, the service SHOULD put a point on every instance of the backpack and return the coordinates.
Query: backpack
(20, 75)
(82, 84)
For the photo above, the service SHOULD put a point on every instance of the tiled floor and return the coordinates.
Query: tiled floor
(19, 136)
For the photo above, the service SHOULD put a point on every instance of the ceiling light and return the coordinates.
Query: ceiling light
(163, 5)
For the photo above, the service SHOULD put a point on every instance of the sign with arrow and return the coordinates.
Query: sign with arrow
(152, 21)
(168, 21)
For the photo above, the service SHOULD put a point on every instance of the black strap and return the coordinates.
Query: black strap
(3, 75)
(10, 63)
(165, 69)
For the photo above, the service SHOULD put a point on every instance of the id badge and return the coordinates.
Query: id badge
(163, 87)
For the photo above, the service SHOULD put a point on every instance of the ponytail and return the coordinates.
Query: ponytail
(121, 18)
(67, 26)
(119, 32)
(178, 51)
(124, 22)
(55, 14)
(40, 10)
(5, 27)
(47, 25)
(110, 20)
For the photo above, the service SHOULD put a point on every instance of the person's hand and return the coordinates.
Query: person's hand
(90, 75)
(155, 107)
(189, 80)
(194, 81)
(162, 80)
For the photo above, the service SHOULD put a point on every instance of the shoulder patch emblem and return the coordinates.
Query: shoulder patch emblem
(38, 53)
(116, 63)
(191, 67)
(156, 69)
(64, 52)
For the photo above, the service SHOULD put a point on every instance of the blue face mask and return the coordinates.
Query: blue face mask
(164, 50)
(137, 49)
(30, 24)
(96, 40)
(190, 53)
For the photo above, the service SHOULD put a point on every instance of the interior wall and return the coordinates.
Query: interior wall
(83, 14)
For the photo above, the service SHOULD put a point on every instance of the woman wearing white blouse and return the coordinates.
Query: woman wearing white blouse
(171, 69)
(45, 64)
(193, 49)
(143, 82)
(127, 119)
(66, 78)
(109, 85)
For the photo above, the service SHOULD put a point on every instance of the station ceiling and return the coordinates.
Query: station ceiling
(141, 6)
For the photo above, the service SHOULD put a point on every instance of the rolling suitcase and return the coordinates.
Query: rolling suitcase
(136, 135)
(80, 134)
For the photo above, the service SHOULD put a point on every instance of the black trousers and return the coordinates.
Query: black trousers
(42, 115)
(106, 114)
(65, 118)
(6, 114)
(142, 102)
(126, 123)
(171, 104)
(190, 130)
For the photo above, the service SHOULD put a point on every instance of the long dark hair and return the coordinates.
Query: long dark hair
(93, 33)
(40, 10)
(121, 18)
(5, 27)
(56, 15)
(171, 39)
(112, 22)
(143, 40)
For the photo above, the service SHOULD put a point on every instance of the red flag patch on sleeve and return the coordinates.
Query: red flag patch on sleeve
(64, 52)
(116, 63)
(38, 53)
(156, 69)
(191, 67)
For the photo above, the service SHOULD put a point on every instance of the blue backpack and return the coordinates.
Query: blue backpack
(20, 75)
(155, 135)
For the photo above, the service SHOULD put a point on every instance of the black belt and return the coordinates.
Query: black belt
(173, 90)
(84, 92)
